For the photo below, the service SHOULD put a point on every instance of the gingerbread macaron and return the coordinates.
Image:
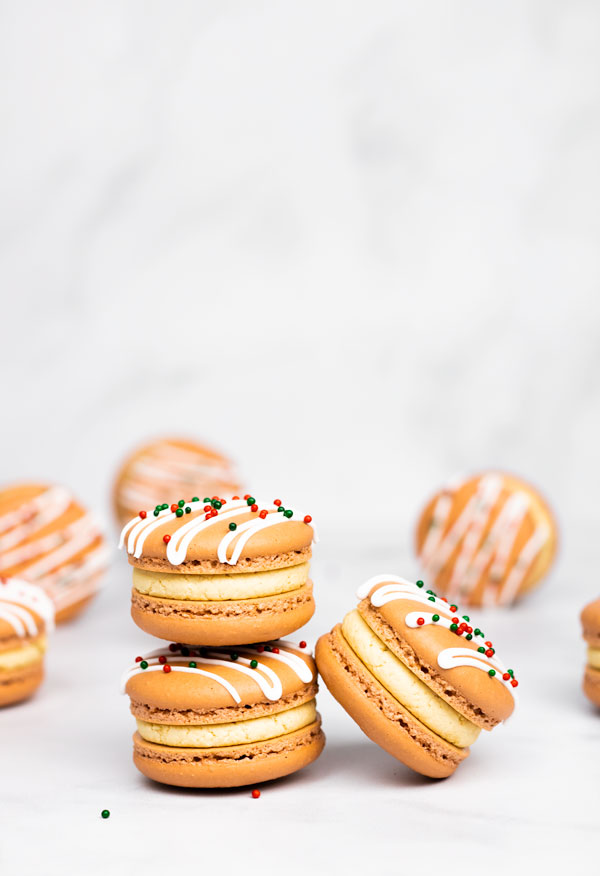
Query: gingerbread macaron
(166, 468)
(590, 620)
(215, 717)
(26, 618)
(486, 540)
(416, 675)
(48, 538)
(216, 571)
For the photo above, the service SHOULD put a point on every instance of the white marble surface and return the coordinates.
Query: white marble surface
(355, 245)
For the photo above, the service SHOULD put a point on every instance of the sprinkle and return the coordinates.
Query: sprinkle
(430, 592)
(254, 507)
(453, 608)
(247, 496)
(254, 664)
(138, 659)
(185, 652)
(192, 664)
(164, 506)
(144, 664)
(477, 631)
(277, 501)
(208, 507)
(491, 673)
(216, 504)
(454, 627)
(420, 621)
(179, 512)
(233, 526)
(263, 514)
(143, 515)
(250, 500)
(206, 499)
(510, 672)
(288, 513)
(431, 598)
(454, 620)
(481, 650)
(255, 794)
(308, 518)
(506, 676)
(469, 636)
(260, 648)
(234, 498)
(156, 512)
(188, 510)
(419, 584)
(162, 659)
(195, 499)
(281, 508)
(234, 656)
(302, 644)
(173, 647)
(514, 682)
(466, 617)
(489, 652)
(435, 618)
(489, 644)
(105, 813)
(174, 506)
(275, 650)
(166, 539)
(166, 668)
(181, 503)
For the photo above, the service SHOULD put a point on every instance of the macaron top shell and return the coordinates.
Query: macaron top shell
(220, 531)
(590, 619)
(25, 610)
(437, 634)
(220, 678)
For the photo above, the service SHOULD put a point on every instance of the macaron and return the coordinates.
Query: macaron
(167, 468)
(216, 718)
(417, 676)
(486, 540)
(590, 620)
(220, 571)
(48, 538)
(26, 617)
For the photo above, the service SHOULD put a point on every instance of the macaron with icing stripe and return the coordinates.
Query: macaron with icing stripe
(26, 618)
(215, 717)
(48, 538)
(486, 540)
(590, 621)
(416, 675)
(217, 571)
(167, 468)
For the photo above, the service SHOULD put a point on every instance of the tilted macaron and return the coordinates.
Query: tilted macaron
(220, 571)
(486, 540)
(48, 538)
(213, 718)
(590, 620)
(26, 617)
(418, 678)
(167, 468)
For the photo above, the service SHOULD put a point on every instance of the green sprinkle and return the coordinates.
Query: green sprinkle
(250, 500)
(164, 506)
(156, 512)
(466, 617)
(195, 499)
(144, 664)
(431, 592)
(234, 656)
(477, 631)
(233, 526)
(288, 513)
(419, 583)
(216, 504)
(435, 617)
(431, 598)
(181, 503)
(192, 664)
(105, 813)
(481, 650)
(206, 499)
(454, 627)
(281, 508)
(179, 512)
(254, 664)
(491, 673)
(469, 636)
(510, 672)
(188, 510)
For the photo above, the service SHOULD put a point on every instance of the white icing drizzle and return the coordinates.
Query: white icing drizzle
(136, 531)
(391, 588)
(503, 580)
(48, 559)
(266, 678)
(21, 602)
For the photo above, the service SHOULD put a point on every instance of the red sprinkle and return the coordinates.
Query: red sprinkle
(277, 502)
(208, 507)
(166, 539)
(143, 515)
(166, 668)
(138, 659)
(260, 648)
(174, 507)
(275, 650)
(420, 621)
(454, 620)
(173, 647)
(254, 507)
(506, 676)
(308, 519)
(514, 682)
(263, 514)
(489, 644)
(454, 608)
(215, 498)
(233, 498)
(162, 659)
(247, 496)
(256, 793)
(489, 652)
(302, 644)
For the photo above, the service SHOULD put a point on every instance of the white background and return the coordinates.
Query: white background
(356, 246)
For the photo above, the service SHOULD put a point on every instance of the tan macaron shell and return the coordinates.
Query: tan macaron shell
(538, 512)
(21, 654)
(485, 701)
(590, 621)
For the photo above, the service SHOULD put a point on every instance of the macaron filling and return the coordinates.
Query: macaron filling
(405, 686)
(246, 732)
(29, 652)
(216, 588)
(593, 658)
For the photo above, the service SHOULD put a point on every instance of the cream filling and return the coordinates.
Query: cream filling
(593, 658)
(31, 652)
(246, 585)
(404, 685)
(234, 733)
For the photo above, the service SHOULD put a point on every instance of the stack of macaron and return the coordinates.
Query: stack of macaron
(227, 702)
(590, 621)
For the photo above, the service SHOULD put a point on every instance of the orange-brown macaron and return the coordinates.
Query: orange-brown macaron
(167, 468)
(215, 718)
(26, 618)
(220, 571)
(415, 675)
(590, 620)
(487, 539)
(48, 538)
